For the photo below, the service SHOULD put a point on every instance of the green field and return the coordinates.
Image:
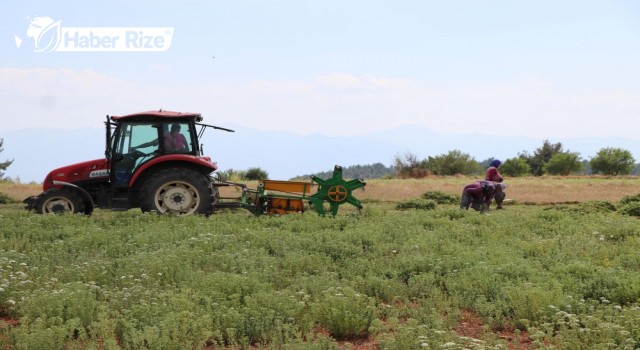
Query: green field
(530, 276)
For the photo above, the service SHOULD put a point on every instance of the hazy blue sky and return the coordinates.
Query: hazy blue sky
(542, 69)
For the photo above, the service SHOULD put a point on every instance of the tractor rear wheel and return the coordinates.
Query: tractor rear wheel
(58, 201)
(178, 191)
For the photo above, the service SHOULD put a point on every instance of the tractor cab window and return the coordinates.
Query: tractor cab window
(176, 138)
(140, 137)
(135, 144)
(146, 138)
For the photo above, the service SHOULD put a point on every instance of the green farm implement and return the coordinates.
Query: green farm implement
(283, 197)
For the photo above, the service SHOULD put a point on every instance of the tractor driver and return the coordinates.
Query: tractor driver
(174, 141)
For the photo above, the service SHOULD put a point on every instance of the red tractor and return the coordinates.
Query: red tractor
(153, 160)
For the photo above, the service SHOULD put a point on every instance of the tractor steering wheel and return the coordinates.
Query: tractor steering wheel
(135, 154)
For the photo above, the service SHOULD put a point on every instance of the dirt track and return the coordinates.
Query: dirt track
(538, 190)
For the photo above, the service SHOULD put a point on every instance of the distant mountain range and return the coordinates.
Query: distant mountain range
(285, 155)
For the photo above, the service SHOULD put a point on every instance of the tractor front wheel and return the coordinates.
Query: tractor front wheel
(59, 201)
(177, 191)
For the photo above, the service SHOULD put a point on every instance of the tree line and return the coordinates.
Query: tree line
(549, 159)
(370, 171)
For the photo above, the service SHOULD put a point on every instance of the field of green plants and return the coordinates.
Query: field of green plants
(394, 276)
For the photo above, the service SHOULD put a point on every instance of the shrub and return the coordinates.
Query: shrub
(588, 207)
(423, 204)
(231, 175)
(613, 161)
(408, 166)
(631, 209)
(618, 233)
(596, 207)
(344, 313)
(630, 199)
(563, 163)
(515, 167)
(531, 302)
(250, 174)
(256, 174)
(452, 163)
(453, 214)
(5, 199)
(441, 197)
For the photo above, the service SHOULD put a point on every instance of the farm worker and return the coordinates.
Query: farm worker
(478, 195)
(175, 141)
(492, 174)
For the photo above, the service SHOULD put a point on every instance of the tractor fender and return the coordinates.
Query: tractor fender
(201, 162)
(86, 197)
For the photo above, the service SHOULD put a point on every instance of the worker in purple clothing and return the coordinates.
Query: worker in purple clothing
(478, 195)
(492, 174)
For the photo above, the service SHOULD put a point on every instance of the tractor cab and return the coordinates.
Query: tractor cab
(137, 140)
(142, 145)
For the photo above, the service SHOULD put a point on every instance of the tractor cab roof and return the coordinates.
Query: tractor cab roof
(158, 115)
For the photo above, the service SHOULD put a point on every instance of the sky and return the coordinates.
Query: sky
(541, 69)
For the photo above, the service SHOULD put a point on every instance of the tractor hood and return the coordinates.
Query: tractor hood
(97, 169)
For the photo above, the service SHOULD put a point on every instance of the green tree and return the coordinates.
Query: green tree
(541, 156)
(3, 165)
(408, 166)
(256, 174)
(612, 161)
(515, 167)
(563, 163)
(452, 163)
(231, 175)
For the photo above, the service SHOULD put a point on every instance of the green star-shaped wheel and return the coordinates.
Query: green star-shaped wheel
(336, 191)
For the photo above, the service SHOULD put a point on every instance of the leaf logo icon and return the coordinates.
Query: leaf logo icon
(49, 38)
